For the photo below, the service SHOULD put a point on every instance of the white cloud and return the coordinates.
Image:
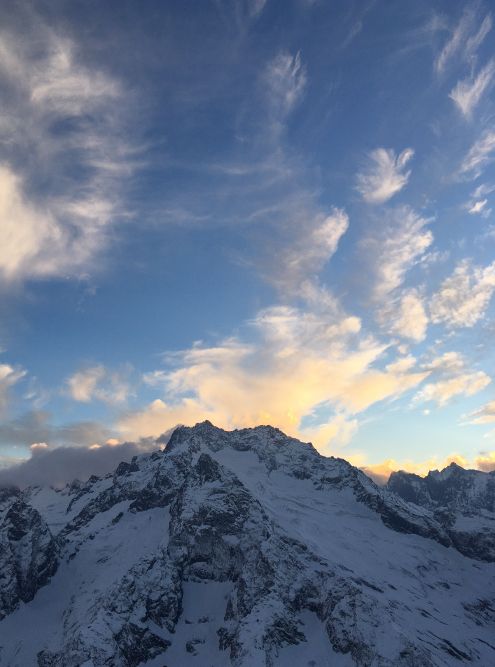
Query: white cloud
(285, 78)
(400, 245)
(483, 190)
(456, 379)
(463, 42)
(455, 42)
(99, 383)
(468, 93)
(299, 362)
(59, 229)
(478, 156)
(476, 207)
(473, 207)
(405, 316)
(385, 176)
(475, 41)
(483, 415)
(308, 255)
(463, 297)
(8, 377)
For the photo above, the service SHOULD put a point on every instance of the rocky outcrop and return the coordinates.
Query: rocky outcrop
(462, 502)
(28, 552)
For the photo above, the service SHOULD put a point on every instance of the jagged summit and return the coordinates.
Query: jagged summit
(246, 548)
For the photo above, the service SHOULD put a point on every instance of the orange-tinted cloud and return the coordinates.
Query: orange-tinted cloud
(300, 363)
(486, 463)
(380, 472)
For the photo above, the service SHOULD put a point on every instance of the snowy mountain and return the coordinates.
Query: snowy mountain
(462, 501)
(248, 548)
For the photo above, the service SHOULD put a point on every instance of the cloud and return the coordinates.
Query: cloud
(483, 415)
(468, 93)
(240, 12)
(285, 79)
(101, 384)
(381, 472)
(399, 246)
(475, 41)
(476, 207)
(56, 114)
(478, 156)
(466, 384)
(456, 379)
(463, 42)
(482, 190)
(405, 316)
(8, 377)
(486, 463)
(385, 175)
(463, 297)
(455, 42)
(299, 362)
(35, 426)
(60, 466)
(83, 385)
(307, 256)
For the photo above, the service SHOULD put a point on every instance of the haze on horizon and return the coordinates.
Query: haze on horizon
(251, 212)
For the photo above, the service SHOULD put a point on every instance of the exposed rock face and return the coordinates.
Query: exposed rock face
(28, 553)
(243, 548)
(462, 502)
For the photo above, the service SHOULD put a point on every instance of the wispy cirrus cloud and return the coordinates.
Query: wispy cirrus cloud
(463, 297)
(240, 12)
(62, 121)
(468, 93)
(465, 38)
(474, 42)
(285, 80)
(399, 244)
(8, 378)
(302, 261)
(478, 156)
(483, 190)
(385, 175)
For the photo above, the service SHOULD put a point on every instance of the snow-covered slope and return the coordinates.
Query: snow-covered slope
(239, 548)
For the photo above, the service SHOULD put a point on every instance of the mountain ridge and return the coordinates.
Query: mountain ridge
(241, 548)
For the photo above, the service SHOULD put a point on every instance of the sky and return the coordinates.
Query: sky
(251, 212)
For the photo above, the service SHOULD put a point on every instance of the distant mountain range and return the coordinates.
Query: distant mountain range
(248, 548)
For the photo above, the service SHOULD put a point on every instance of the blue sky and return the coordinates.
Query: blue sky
(253, 212)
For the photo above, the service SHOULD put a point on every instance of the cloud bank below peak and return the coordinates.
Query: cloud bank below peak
(62, 465)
